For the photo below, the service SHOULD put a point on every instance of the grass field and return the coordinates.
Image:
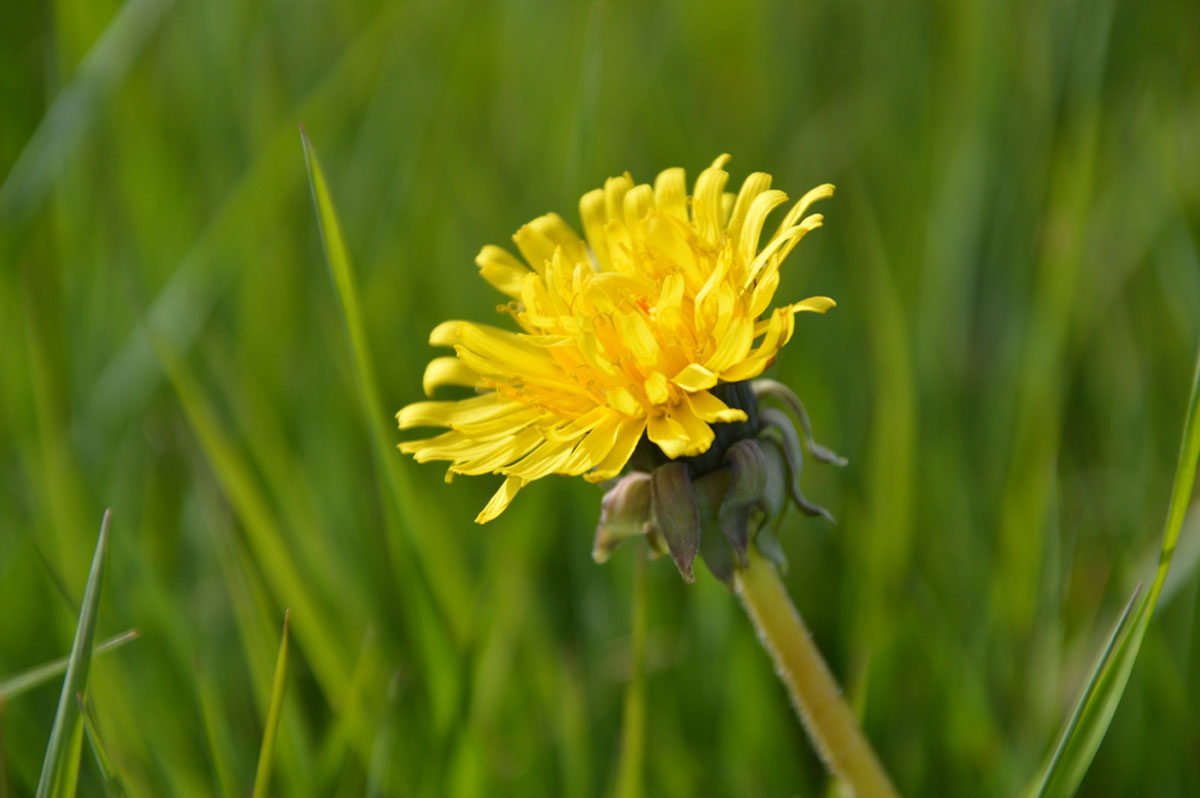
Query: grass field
(1015, 251)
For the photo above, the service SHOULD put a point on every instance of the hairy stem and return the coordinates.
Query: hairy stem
(633, 732)
(818, 700)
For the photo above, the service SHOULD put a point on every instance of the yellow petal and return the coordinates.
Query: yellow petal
(749, 368)
(621, 400)
(507, 350)
(695, 378)
(615, 189)
(539, 239)
(638, 337)
(500, 500)
(709, 408)
(670, 192)
(638, 203)
(447, 371)
(595, 446)
(669, 435)
(444, 414)
(447, 444)
(720, 161)
(670, 296)
(798, 210)
(502, 425)
(547, 374)
(752, 186)
(657, 389)
(591, 211)
(778, 331)
(502, 270)
(782, 244)
(594, 354)
(756, 217)
(699, 435)
(727, 200)
(492, 456)
(706, 200)
(448, 333)
(763, 293)
(543, 460)
(582, 425)
(733, 347)
(628, 435)
(459, 448)
(815, 304)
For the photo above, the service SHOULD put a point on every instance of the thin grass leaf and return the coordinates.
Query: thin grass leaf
(77, 666)
(66, 781)
(23, 682)
(257, 621)
(446, 571)
(1090, 688)
(438, 593)
(1089, 722)
(114, 785)
(262, 776)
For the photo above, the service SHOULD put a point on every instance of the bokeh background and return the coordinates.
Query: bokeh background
(1013, 247)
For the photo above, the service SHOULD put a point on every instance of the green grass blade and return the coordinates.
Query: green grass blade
(1090, 689)
(114, 786)
(1089, 722)
(262, 776)
(444, 566)
(431, 572)
(77, 667)
(16, 685)
(66, 781)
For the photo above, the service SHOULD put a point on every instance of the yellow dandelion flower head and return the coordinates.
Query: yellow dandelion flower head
(622, 333)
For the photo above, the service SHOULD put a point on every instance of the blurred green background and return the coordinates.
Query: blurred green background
(1013, 247)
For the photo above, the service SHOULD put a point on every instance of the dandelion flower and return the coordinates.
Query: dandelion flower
(625, 333)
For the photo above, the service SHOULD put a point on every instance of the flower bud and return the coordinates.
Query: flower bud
(624, 512)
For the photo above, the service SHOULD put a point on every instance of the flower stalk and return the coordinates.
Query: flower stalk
(633, 724)
(815, 694)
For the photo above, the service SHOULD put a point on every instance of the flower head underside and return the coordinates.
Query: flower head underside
(622, 333)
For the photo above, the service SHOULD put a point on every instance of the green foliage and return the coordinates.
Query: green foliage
(1099, 700)
(60, 767)
(1013, 249)
(15, 685)
(113, 785)
(266, 754)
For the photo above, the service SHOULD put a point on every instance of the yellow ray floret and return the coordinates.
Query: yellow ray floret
(622, 334)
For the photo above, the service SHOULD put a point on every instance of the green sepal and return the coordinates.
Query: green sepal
(675, 516)
(747, 481)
